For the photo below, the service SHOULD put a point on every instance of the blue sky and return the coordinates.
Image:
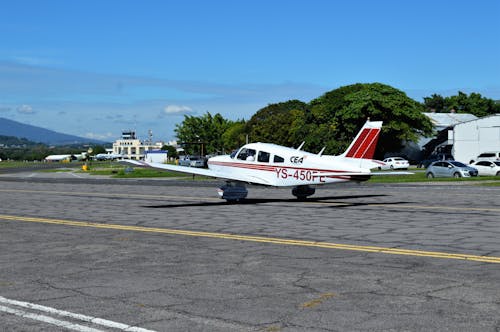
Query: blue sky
(93, 68)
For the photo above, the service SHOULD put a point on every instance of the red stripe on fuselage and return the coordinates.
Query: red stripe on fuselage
(270, 168)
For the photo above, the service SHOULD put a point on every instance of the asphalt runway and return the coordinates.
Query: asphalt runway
(164, 255)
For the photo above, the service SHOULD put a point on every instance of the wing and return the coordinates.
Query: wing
(202, 171)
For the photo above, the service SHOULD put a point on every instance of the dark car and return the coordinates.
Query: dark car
(435, 157)
(449, 168)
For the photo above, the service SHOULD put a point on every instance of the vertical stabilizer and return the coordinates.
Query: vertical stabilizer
(363, 146)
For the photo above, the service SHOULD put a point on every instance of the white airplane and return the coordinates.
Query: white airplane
(279, 166)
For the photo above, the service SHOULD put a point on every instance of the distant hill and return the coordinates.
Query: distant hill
(38, 134)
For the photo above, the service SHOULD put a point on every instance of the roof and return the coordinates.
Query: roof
(449, 119)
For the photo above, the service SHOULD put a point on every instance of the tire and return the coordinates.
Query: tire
(456, 175)
(392, 167)
(430, 176)
(498, 173)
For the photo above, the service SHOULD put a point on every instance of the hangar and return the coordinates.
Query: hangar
(474, 137)
(467, 139)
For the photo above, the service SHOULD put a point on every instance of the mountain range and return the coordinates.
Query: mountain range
(41, 135)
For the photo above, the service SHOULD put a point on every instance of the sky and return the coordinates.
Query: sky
(93, 68)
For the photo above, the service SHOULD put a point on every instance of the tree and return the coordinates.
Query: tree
(203, 133)
(473, 103)
(171, 151)
(234, 136)
(273, 122)
(334, 118)
(435, 103)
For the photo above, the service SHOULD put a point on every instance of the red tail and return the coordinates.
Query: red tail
(363, 146)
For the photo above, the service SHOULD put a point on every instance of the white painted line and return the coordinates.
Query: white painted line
(48, 320)
(83, 318)
(76, 175)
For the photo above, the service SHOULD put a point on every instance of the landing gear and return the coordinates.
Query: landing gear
(302, 192)
(233, 191)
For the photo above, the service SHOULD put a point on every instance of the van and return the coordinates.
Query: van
(488, 156)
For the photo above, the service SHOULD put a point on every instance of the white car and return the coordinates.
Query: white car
(486, 167)
(487, 156)
(395, 163)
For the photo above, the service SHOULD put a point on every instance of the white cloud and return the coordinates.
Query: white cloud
(25, 109)
(102, 137)
(177, 110)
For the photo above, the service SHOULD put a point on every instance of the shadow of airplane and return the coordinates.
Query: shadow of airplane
(252, 201)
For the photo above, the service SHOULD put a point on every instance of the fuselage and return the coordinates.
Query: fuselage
(279, 166)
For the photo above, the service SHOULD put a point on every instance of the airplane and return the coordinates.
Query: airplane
(279, 166)
(107, 156)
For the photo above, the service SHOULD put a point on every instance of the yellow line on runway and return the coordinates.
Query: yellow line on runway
(261, 239)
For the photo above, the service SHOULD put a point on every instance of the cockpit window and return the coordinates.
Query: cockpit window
(278, 159)
(247, 154)
(263, 156)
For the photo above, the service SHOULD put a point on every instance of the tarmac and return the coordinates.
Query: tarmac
(87, 253)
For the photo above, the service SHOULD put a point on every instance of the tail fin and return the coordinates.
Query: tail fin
(363, 146)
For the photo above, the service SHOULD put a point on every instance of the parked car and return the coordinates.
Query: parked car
(192, 161)
(487, 167)
(435, 157)
(395, 163)
(449, 168)
(487, 156)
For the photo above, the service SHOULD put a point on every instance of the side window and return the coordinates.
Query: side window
(440, 164)
(278, 159)
(263, 156)
(483, 163)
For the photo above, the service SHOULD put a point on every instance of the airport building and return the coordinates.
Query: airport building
(130, 147)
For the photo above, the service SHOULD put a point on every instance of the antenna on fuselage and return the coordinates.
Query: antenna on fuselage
(300, 146)
(321, 152)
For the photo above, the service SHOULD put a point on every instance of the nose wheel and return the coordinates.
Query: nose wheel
(302, 192)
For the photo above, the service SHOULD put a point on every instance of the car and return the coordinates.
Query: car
(395, 163)
(434, 157)
(487, 156)
(485, 167)
(192, 161)
(449, 168)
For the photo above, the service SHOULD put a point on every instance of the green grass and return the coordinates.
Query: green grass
(419, 176)
(13, 164)
(123, 172)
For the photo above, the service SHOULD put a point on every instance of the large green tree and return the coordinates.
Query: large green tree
(335, 118)
(273, 122)
(203, 133)
(234, 136)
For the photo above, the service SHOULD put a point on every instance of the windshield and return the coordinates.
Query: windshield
(233, 153)
(497, 163)
(458, 164)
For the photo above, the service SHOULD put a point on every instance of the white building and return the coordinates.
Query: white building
(474, 137)
(130, 147)
(156, 156)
